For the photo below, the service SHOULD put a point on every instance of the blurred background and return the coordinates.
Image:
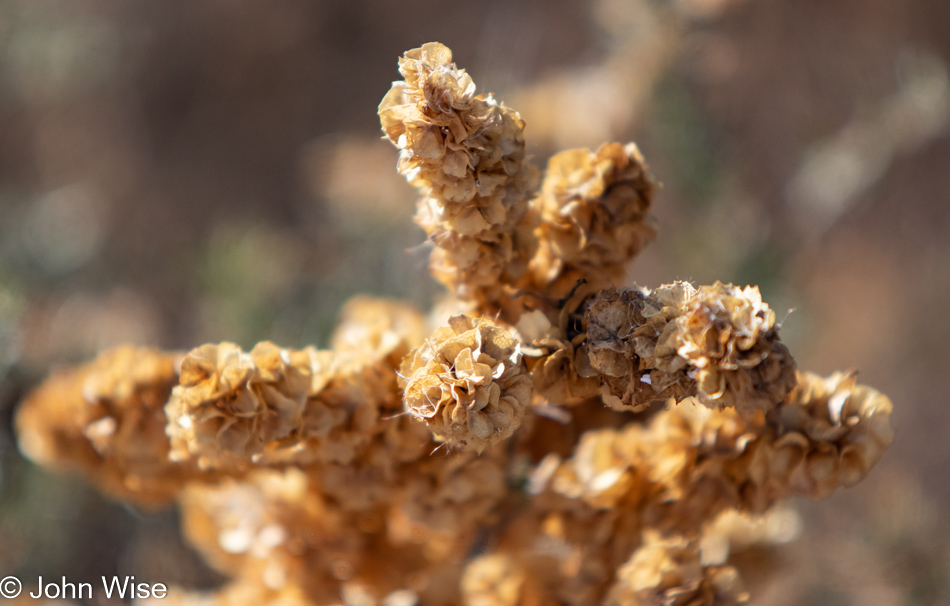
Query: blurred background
(174, 173)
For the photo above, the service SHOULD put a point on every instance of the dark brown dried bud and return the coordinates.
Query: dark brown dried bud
(718, 342)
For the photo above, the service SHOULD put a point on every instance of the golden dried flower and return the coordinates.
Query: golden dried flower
(379, 328)
(308, 476)
(230, 404)
(276, 407)
(500, 580)
(829, 433)
(737, 531)
(343, 414)
(468, 383)
(443, 502)
(668, 571)
(594, 210)
(353, 416)
(730, 337)
(847, 428)
(106, 420)
(605, 470)
(690, 463)
(613, 318)
(561, 375)
(465, 153)
(278, 530)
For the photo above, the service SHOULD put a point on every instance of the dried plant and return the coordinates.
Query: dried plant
(562, 441)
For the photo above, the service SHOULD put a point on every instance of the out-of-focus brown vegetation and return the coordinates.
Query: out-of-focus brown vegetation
(177, 173)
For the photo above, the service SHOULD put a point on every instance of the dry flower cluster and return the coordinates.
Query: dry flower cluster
(562, 441)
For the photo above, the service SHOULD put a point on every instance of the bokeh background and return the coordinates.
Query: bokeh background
(176, 172)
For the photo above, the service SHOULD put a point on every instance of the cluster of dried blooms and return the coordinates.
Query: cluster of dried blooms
(466, 155)
(563, 441)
